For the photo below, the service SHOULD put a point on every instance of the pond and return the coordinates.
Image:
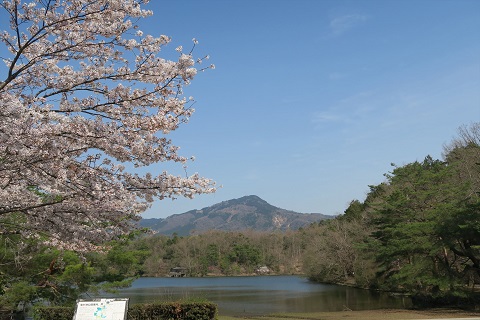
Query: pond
(260, 295)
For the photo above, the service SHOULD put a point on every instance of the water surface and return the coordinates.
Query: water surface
(260, 295)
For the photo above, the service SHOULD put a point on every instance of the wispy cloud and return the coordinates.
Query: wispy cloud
(327, 116)
(337, 76)
(347, 110)
(341, 24)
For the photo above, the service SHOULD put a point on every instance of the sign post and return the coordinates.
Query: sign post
(104, 309)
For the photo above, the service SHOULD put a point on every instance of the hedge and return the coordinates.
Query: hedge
(173, 310)
(154, 311)
(50, 313)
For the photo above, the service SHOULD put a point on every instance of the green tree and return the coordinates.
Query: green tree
(245, 254)
(210, 258)
(428, 235)
(31, 271)
(47, 274)
(409, 250)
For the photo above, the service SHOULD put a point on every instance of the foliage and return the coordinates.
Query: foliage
(428, 227)
(85, 92)
(336, 252)
(58, 277)
(173, 310)
(244, 254)
(57, 313)
(407, 247)
(42, 273)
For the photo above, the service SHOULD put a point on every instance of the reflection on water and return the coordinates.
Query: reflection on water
(260, 295)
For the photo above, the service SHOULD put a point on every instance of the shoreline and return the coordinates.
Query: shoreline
(380, 314)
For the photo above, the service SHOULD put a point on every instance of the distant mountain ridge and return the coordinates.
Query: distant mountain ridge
(245, 213)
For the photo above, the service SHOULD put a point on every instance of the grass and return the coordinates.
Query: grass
(365, 315)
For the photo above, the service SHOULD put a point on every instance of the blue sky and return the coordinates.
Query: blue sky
(311, 100)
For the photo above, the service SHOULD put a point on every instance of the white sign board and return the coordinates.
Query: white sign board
(101, 309)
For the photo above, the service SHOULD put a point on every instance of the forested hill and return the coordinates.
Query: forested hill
(249, 212)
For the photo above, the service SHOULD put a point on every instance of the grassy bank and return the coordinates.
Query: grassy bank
(367, 315)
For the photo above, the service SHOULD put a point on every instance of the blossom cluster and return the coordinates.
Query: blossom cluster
(86, 92)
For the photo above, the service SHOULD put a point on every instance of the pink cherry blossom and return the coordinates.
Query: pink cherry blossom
(86, 92)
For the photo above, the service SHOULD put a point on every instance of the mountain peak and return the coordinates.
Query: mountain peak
(248, 212)
(251, 198)
(247, 200)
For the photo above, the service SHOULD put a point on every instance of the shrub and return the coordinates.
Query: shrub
(154, 311)
(57, 313)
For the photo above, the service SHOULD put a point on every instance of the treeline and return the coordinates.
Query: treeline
(221, 253)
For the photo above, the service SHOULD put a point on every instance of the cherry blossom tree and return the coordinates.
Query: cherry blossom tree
(85, 102)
